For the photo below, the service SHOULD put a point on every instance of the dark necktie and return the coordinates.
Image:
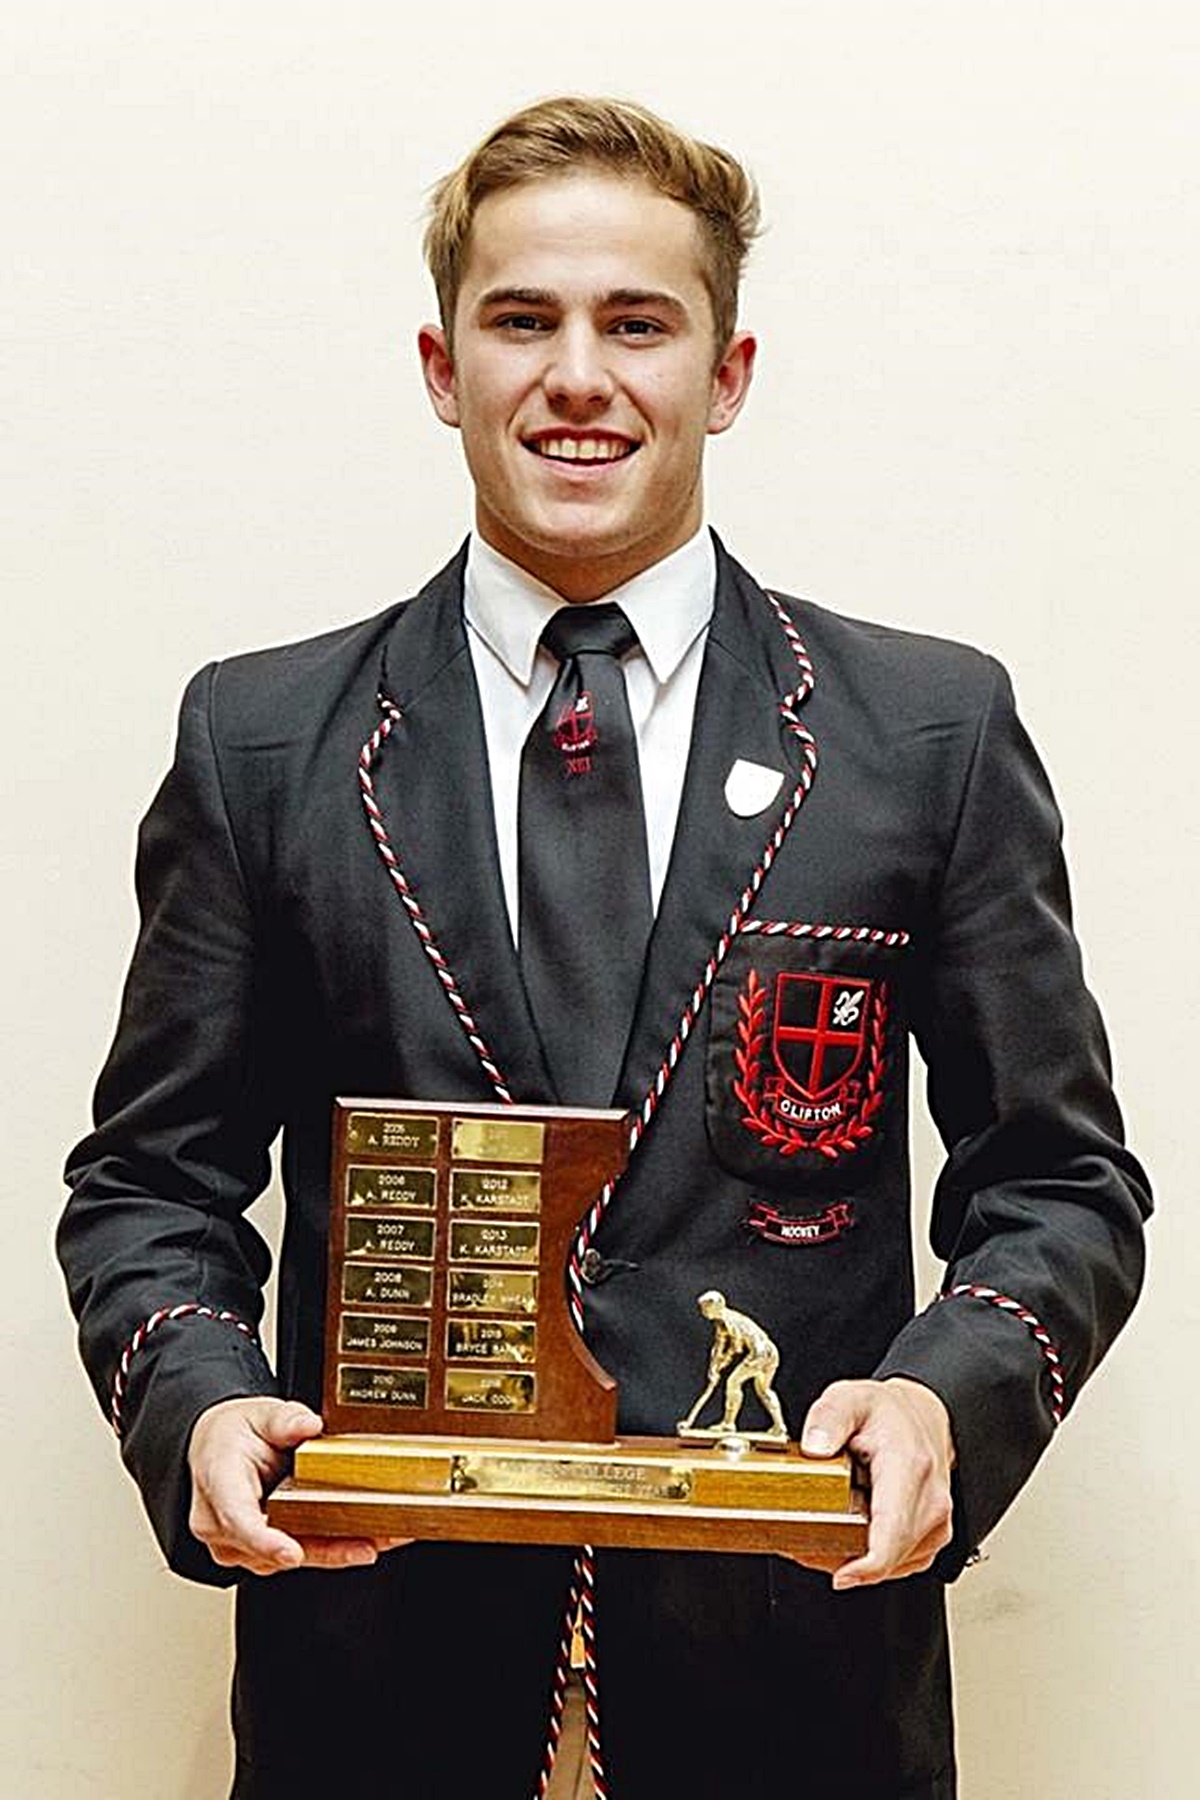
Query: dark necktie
(585, 900)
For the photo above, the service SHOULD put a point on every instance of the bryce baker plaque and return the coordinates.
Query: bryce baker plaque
(461, 1400)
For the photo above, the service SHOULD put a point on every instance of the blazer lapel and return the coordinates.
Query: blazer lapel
(748, 668)
(431, 782)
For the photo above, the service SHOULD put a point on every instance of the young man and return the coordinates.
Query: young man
(847, 838)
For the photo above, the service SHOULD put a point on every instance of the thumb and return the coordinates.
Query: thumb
(831, 1421)
(286, 1423)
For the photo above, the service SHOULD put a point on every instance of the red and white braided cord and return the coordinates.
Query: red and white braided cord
(838, 934)
(562, 1671)
(366, 761)
(187, 1309)
(591, 1691)
(971, 1290)
(582, 1593)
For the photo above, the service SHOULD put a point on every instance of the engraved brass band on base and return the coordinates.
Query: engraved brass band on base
(638, 1492)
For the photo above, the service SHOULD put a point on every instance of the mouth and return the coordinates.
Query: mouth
(580, 447)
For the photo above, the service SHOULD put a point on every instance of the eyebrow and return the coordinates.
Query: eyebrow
(515, 296)
(655, 298)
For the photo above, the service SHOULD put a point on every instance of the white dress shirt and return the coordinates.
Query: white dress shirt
(669, 606)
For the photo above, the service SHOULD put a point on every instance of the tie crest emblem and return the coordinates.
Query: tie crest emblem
(575, 735)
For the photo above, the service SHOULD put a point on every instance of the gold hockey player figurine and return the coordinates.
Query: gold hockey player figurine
(742, 1352)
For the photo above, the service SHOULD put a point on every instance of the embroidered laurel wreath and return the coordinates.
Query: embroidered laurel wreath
(832, 1140)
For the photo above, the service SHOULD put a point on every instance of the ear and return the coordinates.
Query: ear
(731, 380)
(437, 367)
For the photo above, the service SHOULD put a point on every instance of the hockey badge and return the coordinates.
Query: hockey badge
(800, 1229)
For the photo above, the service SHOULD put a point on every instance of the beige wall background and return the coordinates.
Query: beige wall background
(976, 414)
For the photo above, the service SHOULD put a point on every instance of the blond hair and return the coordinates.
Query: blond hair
(558, 137)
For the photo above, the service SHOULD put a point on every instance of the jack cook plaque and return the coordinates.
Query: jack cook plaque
(459, 1399)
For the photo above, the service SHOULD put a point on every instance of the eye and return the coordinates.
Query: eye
(518, 323)
(637, 328)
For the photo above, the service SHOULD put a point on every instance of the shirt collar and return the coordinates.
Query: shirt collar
(669, 605)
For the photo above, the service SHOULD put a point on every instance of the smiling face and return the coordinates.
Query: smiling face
(584, 377)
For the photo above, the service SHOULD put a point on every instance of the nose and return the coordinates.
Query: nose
(578, 377)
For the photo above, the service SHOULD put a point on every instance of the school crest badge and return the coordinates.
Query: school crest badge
(809, 1060)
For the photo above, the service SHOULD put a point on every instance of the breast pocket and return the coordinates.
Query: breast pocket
(806, 1066)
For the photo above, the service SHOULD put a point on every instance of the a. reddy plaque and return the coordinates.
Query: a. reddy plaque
(459, 1399)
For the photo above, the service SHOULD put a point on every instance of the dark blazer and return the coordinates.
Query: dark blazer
(914, 885)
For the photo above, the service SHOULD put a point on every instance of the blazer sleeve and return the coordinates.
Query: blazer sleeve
(184, 1116)
(1039, 1208)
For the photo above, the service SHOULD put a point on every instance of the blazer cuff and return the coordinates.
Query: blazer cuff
(187, 1367)
(993, 1378)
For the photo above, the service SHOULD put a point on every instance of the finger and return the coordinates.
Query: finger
(873, 1567)
(227, 1516)
(900, 1542)
(271, 1555)
(243, 1539)
(826, 1562)
(311, 1553)
(286, 1423)
(830, 1562)
(889, 1533)
(859, 1574)
(339, 1553)
(832, 1419)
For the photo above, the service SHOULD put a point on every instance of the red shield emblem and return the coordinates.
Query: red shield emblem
(820, 1031)
(575, 727)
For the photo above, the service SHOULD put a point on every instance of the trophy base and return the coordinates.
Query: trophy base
(633, 1493)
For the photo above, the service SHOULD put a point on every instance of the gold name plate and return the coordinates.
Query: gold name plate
(567, 1478)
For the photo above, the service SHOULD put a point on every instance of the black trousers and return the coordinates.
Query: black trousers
(720, 1678)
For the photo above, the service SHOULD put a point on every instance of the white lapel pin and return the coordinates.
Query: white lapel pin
(750, 787)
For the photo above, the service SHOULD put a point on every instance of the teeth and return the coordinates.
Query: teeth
(583, 449)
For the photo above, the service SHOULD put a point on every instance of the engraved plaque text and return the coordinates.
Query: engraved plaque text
(496, 1190)
(577, 1478)
(490, 1340)
(388, 1284)
(494, 1242)
(471, 1390)
(491, 1290)
(366, 1186)
(390, 1237)
(392, 1134)
(360, 1385)
(382, 1334)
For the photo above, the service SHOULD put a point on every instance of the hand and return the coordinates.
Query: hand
(237, 1453)
(900, 1430)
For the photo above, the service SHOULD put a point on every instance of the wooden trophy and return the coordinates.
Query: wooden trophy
(461, 1402)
